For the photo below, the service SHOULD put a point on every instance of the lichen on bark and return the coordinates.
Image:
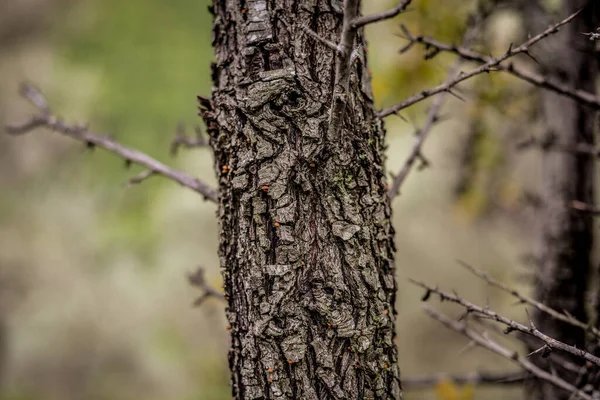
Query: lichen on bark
(306, 243)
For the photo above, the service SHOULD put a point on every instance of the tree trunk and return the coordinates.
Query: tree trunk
(566, 237)
(306, 243)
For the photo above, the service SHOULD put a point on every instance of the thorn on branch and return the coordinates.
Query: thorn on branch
(508, 330)
(140, 178)
(426, 296)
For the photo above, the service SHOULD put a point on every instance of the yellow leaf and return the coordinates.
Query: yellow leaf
(467, 392)
(447, 390)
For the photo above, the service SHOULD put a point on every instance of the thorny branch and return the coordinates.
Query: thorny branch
(423, 133)
(198, 280)
(550, 343)
(528, 300)
(46, 119)
(555, 359)
(484, 341)
(465, 53)
(491, 65)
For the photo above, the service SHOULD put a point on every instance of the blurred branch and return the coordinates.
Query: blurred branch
(490, 66)
(528, 300)
(46, 119)
(382, 16)
(198, 280)
(549, 343)
(483, 341)
(550, 144)
(475, 378)
(590, 209)
(181, 139)
(465, 53)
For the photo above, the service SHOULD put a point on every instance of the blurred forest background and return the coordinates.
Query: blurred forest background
(94, 299)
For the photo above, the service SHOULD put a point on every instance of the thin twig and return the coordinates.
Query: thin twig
(490, 66)
(465, 53)
(474, 378)
(551, 144)
(198, 280)
(511, 325)
(181, 139)
(46, 119)
(569, 319)
(487, 343)
(382, 16)
(423, 133)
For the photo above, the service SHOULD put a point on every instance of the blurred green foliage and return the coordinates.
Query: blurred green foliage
(150, 59)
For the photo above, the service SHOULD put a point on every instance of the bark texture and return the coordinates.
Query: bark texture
(306, 243)
(566, 236)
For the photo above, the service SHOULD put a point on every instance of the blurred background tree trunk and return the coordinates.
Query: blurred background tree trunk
(566, 236)
(306, 242)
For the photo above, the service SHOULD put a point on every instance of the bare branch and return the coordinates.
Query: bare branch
(569, 319)
(490, 66)
(475, 378)
(382, 16)
(48, 120)
(487, 343)
(181, 139)
(551, 144)
(556, 359)
(511, 325)
(465, 53)
(198, 280)
(423, 133)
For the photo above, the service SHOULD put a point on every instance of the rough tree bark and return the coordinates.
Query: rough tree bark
(566, 236)
(306, 243)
